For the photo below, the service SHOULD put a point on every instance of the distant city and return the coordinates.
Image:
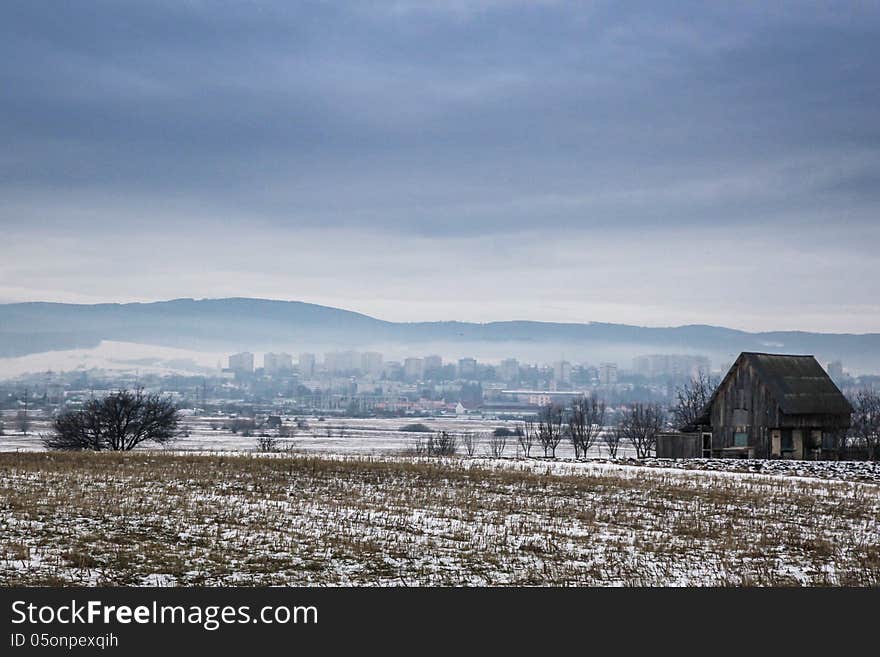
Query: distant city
(365, 384)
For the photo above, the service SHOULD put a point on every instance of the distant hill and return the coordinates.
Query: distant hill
(259, 324)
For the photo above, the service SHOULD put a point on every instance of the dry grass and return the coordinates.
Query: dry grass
(153, 518)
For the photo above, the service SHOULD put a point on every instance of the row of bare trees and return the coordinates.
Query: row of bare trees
(639, 426)
(865, 422)
(584, 425)
(495, 441)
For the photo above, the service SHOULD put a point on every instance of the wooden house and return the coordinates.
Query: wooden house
(767, 406)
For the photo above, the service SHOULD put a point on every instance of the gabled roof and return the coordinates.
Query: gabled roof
(798, 384)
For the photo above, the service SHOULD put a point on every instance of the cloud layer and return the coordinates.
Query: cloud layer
(661, 163)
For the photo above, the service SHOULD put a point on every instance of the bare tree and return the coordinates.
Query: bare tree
(525, 435)
(612, 439)
(550, 428)
(497, 443)
(570, 432)
(120, 421)
(691, 399)
(865, 421)
(441, 443)
(445, 444)
(267, 443)
(585, 423)
(469, 440)
(640, 425)
(22, 421)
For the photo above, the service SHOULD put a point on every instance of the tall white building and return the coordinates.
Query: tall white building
(676, 365)
(508, 370)
(562, 371)
(608, 373)
(242, 363)
(372, 363)
(342, 361)
(277, 363)
(467, 368)
(348, 361)
(433, 363)
(307, 365)
(413, 368)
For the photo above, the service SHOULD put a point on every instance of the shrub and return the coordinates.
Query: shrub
(416, 428)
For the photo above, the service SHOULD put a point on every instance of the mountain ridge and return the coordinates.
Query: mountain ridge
(252, 323)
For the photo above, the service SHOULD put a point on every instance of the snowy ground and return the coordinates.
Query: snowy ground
(383, 437)
(333, 435)
(159, 518)
(866, 471)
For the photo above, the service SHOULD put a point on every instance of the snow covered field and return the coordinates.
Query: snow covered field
(334, 435)
(158, 518)
(384, 437)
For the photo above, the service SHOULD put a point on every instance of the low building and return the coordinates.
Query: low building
(767, 406)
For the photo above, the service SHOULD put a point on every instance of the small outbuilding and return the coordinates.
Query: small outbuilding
(767, 406)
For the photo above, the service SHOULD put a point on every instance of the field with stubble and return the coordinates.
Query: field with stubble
(184, 519)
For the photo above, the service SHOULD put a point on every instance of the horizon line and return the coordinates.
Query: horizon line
(440, 321)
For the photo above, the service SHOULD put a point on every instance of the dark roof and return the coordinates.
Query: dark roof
(799, 384)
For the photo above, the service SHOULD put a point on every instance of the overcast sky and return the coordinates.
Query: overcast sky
(650, 163)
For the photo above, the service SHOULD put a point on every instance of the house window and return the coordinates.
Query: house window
(828, 441)
(741, 439)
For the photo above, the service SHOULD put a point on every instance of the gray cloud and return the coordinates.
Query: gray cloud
(491, 121)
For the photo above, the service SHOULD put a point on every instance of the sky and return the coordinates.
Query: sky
(656, 163)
